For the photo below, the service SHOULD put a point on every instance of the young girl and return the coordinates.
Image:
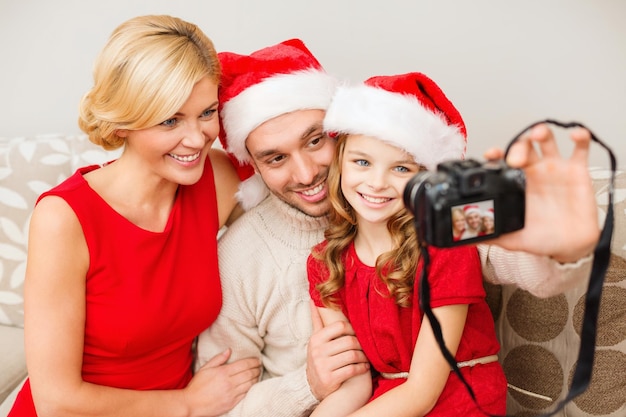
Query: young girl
(488, 222)
(366, 270)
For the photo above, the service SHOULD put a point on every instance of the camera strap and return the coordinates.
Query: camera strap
(602, 254)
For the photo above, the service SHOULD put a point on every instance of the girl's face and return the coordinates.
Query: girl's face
(176, 149)
(488, 223)
(373, 176)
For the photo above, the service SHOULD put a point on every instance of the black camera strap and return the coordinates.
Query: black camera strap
(602, 254)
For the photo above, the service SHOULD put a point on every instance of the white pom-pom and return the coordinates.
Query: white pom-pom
(251, 192)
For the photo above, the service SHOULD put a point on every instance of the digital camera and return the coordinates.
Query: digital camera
(465, 201)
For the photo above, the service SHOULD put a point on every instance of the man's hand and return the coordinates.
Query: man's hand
(333, 356)
(561, 213)
(218, 386)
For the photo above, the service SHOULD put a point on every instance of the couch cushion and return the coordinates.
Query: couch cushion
(12, 360)
(540, 337)
(29, 166)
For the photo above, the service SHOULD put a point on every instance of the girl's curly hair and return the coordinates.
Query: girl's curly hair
(396, 268)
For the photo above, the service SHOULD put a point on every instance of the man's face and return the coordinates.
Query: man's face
(292, 154)
(473, 220)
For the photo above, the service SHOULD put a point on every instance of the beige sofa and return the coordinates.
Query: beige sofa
(538, 358)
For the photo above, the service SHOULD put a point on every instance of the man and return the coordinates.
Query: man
(472, 220)
(272, 109)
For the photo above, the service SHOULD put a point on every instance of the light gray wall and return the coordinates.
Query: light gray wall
(504, 64)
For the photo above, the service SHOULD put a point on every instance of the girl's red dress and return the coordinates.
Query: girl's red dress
(387, 332)
(148, 294)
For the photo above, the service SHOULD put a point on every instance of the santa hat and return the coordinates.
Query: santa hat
(470, 208)
(409, 111)
(488, 213)
(255, 88)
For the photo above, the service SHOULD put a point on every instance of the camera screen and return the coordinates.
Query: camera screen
(472, 220)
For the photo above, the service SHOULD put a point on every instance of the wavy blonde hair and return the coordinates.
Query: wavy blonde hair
(143, 75)
(396, 268)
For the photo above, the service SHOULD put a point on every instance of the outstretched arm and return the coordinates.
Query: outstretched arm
(561, 213)
(552, 252)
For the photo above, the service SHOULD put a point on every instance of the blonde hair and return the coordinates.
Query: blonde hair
(143, 75)
(396, 268)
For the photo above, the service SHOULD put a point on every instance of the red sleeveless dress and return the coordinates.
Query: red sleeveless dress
(148, 294)
(387, 332)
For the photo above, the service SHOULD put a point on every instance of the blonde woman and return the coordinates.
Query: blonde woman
(122, 260)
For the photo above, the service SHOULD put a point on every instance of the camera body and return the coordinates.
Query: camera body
(491, 190)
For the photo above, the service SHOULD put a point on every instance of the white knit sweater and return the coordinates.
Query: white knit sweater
(265, 310)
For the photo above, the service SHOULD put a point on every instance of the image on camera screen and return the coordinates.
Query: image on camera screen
(472, 220)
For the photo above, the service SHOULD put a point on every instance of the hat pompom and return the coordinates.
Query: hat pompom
(251, 192)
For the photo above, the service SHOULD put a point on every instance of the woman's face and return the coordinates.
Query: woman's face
(176, 149)
(458, 222)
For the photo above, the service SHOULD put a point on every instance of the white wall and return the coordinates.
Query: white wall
(504, 64)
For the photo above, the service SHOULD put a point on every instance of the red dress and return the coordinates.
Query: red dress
(388, 332)
(148, 294)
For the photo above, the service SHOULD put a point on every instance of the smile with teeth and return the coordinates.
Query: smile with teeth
(376, 200)
(188, 158)
(314, 190)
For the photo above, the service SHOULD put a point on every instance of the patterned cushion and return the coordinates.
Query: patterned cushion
(29, 166)
(540, 337)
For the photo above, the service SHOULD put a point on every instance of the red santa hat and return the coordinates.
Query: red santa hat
(488, 213)
(255, 88)
(471, 208)
(409, 111)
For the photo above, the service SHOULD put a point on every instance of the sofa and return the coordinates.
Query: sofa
(539, 336)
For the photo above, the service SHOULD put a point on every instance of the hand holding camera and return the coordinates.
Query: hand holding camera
(465, 201)
(560, 215)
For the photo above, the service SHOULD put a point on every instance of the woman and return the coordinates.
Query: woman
(122, 274)
(458, 223)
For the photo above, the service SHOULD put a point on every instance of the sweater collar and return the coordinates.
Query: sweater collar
(289, 223)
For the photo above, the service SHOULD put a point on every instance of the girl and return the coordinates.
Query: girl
(488, 226)
(365, 271)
